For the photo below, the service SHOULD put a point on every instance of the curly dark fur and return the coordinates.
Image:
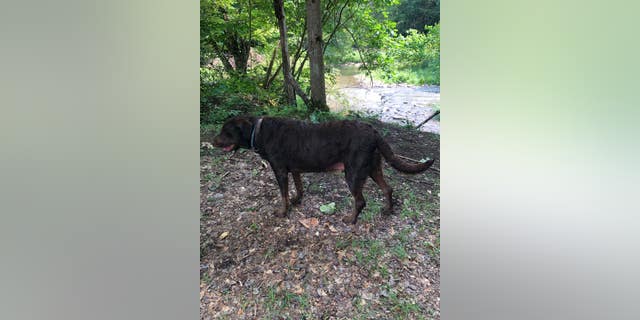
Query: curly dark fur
(293, 146)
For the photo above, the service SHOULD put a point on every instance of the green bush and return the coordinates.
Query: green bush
(416, 57)
(223, 97)
(412, 58)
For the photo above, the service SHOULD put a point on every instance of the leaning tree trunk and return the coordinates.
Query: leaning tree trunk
(316, 62)
(286, 66)
(239, 48)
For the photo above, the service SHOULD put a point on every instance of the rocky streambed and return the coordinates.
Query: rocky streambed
(396, 103)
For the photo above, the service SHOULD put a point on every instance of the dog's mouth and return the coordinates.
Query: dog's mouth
(229, 147)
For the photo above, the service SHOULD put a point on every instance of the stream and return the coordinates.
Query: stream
(398, 103)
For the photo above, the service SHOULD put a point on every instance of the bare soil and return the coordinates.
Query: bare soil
(311, 265)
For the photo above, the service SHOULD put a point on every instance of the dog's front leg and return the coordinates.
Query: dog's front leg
(282, 176)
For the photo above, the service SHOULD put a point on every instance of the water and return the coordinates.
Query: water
(404, 104)
(348, 77)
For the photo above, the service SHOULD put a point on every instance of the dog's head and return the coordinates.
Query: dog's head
(235, 133)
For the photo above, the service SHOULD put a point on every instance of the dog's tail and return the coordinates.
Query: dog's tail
(398, 163)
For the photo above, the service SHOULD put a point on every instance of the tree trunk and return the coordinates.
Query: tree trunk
(225, 62)
(268, 75)
(304, 60)
(286, 66)
(316, 61)
(273, 77)
(239, 48)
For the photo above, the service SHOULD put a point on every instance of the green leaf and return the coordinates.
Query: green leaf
(328, 208)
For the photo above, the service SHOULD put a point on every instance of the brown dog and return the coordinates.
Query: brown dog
(297, 146)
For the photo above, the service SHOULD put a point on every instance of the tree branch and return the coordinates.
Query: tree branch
(430, 117)
(337, 26)
(364, 64)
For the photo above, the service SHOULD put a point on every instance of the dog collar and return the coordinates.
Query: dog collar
(254, 132)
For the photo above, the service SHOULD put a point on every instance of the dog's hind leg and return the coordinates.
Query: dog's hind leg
(377, 176)
(297, 181)
(356, 181)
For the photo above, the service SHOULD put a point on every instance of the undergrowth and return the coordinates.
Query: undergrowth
(223, 98)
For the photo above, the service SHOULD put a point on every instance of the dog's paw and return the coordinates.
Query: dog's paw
(279, 213)
(349, 220)
(296, 200)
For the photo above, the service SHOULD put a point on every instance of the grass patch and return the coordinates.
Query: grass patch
(417, 75)
(270, 253)
(345, 204)
(207, 177)
(342, 244)
(254, 227)
(403, 236)
(371, 211)
(433, 249)
(362, 310)
(206, 277)
(401, 308)
(399, 251)
(314, 188)
(278, 300)
(367, 254)
(215, 179)
(368, 251)
(413, 206)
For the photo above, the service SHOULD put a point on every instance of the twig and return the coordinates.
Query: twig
(430, 117)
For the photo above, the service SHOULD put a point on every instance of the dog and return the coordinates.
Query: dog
(293, 146)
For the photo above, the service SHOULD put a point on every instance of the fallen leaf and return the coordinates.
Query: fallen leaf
(328, 208)
(309, 223)
(298, 289)
(223, 235)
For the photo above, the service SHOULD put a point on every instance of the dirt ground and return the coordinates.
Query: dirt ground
(311, 265)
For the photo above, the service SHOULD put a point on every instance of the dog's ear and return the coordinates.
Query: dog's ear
(244, 122)
(244, 126)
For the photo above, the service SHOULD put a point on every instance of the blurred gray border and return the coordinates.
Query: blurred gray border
(539, 206)
(99, 162)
